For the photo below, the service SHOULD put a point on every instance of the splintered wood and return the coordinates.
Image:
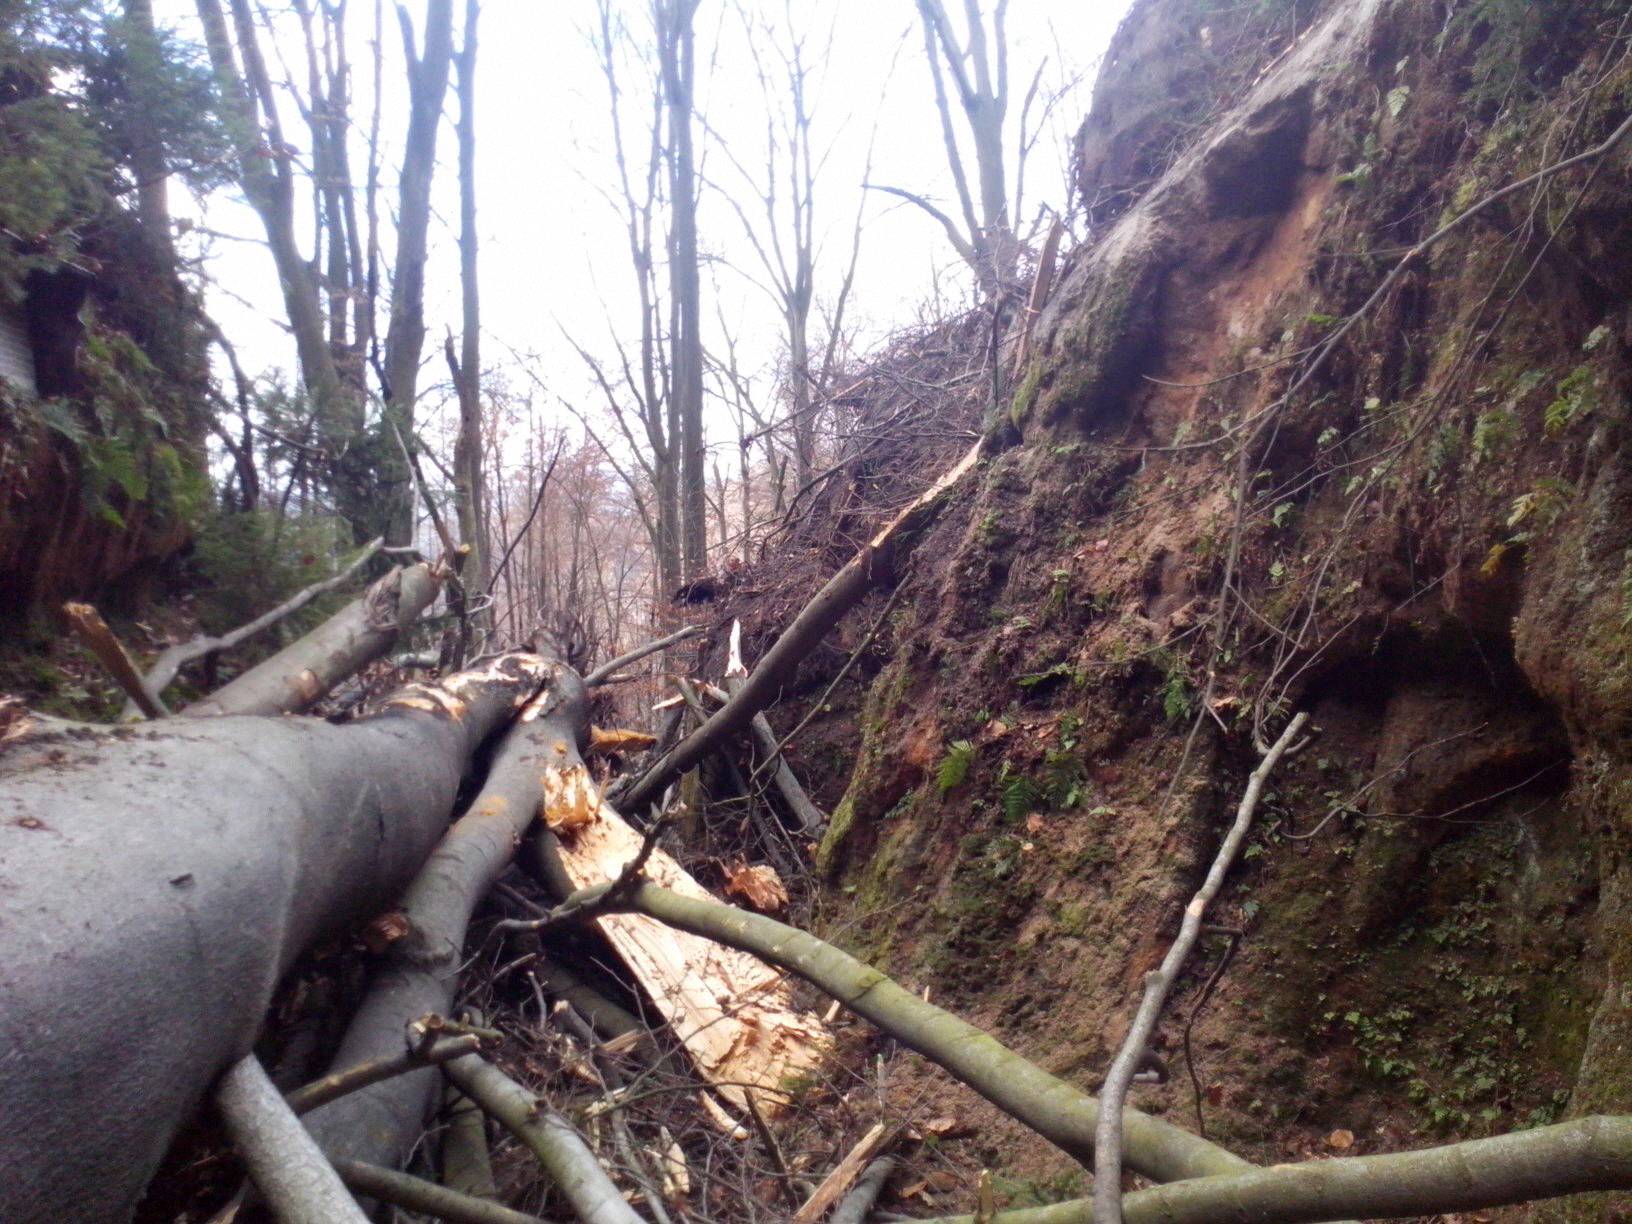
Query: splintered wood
(733, 1013)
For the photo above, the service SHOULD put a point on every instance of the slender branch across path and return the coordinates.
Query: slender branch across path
(1571, 1158)
(173, 658)
(1056, 1110)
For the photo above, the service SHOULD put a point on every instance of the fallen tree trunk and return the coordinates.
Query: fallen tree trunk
(173, 658)
(842, 592)
(156, 881)
(353, 637)
(419, 971)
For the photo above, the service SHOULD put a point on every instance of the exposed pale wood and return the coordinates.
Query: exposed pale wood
(844, 1174)
(91, 629)
(732, 1012)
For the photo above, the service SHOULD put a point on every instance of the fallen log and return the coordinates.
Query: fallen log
(173, 658)
(419, 971)
(157, 880)
(362, 631)
(842, 592)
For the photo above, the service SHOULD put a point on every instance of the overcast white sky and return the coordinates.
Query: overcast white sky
(553, 250)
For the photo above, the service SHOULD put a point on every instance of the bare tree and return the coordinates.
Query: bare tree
(979, 69)
(405, 336)
(466, 368)
(676, 47)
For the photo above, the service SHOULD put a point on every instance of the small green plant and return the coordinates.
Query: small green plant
(1493, 431)
(954, 769)
(1576, 398)
(1176, 694)
(1017, 794)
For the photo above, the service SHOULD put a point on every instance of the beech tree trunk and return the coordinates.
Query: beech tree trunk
(359, 633)
(420, 970)
(155, 883)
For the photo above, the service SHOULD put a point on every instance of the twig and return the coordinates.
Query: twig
(428, 1198)
(330, 1087)
(283, 1159)
(1158, 984)
(92, 630)
(858, 1204)
(773, 1149)
(1195, 1010)
(600, 674)
(586, 903)
(173, 658)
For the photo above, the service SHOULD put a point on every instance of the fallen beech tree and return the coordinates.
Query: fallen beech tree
(875, 562)
(419, 972)
(172, 659)
(353, 637)
(155, 882)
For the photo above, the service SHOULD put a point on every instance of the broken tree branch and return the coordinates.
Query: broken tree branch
(841, 593)
(810, 817)
(173, 658)
(856, 1206)
(844, 1174)
(564, 1155)
(428, 1198)
(611, 666)
(1575, 1157)
(299, 1183)
(1158, 985)
(360, 1075)
(1059, 1112)
(359, 633)
(93, 631)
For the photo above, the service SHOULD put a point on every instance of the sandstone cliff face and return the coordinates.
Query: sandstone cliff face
(1427, 543)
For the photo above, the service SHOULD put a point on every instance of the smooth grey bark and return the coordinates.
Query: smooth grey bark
(419, 972)
(299, 1184)
(855, 1207)
(427, 1198)
(1056, 1110)
(405, 334)
(559, 1148)
(1570, 1158)
(353, 637)
(155, 883)
(173, 658)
